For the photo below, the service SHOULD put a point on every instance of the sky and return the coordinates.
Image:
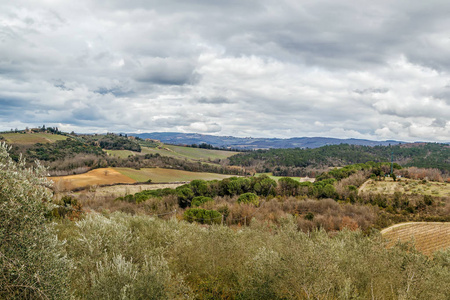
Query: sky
(261, 68)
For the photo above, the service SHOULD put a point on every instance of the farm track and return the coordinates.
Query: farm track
(428, 237)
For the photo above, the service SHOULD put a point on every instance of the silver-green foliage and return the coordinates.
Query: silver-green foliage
(124, 257)
(121, 257)
(32, 265)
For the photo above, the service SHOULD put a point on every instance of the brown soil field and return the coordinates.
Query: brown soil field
(428, 237)
(103, 176)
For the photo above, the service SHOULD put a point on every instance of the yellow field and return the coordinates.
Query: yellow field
(32, 138)
(167, 175)
(407, 186)
(427, 236)
(101, 176)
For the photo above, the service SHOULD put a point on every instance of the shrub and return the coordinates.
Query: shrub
(199, 200)
(203, 216)
(248, 198)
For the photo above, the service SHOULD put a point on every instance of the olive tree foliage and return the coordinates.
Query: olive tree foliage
(32, 264)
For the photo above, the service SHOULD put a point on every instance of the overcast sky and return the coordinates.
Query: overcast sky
(283, 68)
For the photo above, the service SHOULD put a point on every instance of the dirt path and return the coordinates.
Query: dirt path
(363, 186)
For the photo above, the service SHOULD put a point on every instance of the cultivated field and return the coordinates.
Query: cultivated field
(407, 186)
(101, 176)
(189, 153)
(111, 176)
(32, 138)
(158, 175)
(427, 236)
(120, 190)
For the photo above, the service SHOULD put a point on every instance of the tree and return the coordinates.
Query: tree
(32, 264)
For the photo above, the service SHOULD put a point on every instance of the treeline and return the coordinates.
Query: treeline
(298, 162)
(58, 150)
(211, 147)
(222, 201)
(112, 141)
(323, 187)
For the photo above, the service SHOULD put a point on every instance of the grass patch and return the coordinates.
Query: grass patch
(195, 154)
(32, 138)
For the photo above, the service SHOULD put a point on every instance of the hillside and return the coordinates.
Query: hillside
(293, 162)
(31, 138)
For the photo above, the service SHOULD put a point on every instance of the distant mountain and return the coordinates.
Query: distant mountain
(255, 143)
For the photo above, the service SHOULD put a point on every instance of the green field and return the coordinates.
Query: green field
(121, 153)
(189, 153)
(407, 186)
(167, 175)
(32, 138)
(299, 179)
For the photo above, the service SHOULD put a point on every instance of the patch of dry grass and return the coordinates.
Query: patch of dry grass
(407, 186)
(101, 176)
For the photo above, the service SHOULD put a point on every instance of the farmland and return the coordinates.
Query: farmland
(189, 153)
(407, 186)
(32, 138)
(118, 190)
(111, 176)
(428, 237)
(103, 176)
(158, 175)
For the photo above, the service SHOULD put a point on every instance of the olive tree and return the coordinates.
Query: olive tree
(32, 264)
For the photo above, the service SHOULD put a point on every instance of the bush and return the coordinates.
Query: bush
(197, 201)
(203, 216)
(32, 264)
(248, 198)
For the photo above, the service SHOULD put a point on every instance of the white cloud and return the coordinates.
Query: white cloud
(246, 68)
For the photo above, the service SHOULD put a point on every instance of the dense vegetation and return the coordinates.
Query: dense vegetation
(134, 257)
(239, 199)
(295, 162)
(112, 141)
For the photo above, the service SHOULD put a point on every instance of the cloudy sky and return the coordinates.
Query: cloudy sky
(262, 68)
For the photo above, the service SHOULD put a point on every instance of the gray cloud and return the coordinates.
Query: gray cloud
(248, 68)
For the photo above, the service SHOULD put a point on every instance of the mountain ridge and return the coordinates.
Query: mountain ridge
(250, 143)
